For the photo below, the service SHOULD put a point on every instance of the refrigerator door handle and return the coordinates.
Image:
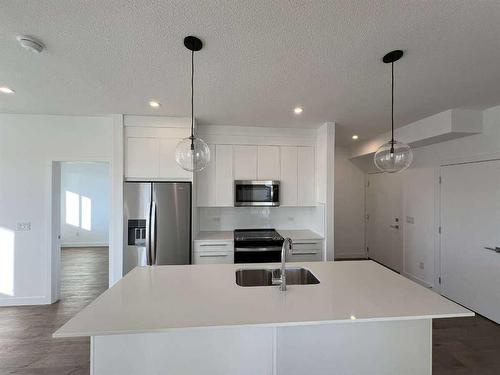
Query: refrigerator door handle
(149, 234)
(153, 239)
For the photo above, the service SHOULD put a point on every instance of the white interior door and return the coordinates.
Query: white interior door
(383, 219)
(470, 221)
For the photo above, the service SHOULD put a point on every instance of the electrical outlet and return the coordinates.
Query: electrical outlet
(421, 265)
(216, 219)
(410, 219)
(23, 227)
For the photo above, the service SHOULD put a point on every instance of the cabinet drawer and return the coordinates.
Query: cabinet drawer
(306, 245)
(305, 256)
(213, 257)
(306, 251)
(211, 246)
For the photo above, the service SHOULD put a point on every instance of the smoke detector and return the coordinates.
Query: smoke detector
(30, 43)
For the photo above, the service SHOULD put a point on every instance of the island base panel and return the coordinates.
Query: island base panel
(385, 348)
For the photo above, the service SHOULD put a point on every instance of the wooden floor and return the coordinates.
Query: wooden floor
(462, 346)
(26, 345)
(465, 346)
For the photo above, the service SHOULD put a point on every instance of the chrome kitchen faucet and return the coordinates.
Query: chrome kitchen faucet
(285, 248)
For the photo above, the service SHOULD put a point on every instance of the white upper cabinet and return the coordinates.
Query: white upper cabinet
(150, 144)
(305, 176)
(245, 162)
(224, 180)
(205, 181)
(142, 157)
(293, 166)
(288, 184)
(169, 169)
(268, 163)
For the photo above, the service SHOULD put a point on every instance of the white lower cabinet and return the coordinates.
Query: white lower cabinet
(213, 252)
(306, 251)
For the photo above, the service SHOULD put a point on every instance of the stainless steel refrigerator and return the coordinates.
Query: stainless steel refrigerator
(157, 224)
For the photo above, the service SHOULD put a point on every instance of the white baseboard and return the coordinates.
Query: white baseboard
(85, 244)
(417, 280)
(23, 301)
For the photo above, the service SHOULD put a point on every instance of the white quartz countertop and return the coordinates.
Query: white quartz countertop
(161, 298)
(299, 234)
(226, 235)
(294, 234)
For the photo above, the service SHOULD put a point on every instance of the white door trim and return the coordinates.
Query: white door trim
(480, 158)
(53, 284)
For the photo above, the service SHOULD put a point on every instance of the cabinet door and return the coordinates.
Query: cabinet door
(268, 162)
(288, 185)
(205, 182)
(224, 180)
(245, 162)
(142, 158)
(306, 176)
(168, 166)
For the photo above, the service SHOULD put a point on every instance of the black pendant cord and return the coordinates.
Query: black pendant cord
(392, 108)
(192, 100)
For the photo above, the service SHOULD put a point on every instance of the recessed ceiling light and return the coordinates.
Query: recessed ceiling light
(355, 137)
(298, 110)
(6, 90)
(154, 104)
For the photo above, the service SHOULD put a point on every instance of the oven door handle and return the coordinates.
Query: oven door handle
(256, 249)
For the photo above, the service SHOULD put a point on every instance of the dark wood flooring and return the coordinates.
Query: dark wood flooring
(462, 346)
(466, 346)
(26, 343)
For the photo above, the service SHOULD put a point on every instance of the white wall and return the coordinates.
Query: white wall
(89, 180)
(421, 193)
(229, 218)
(419, 223)
(325, 182)
(28, 145)
(349, 207)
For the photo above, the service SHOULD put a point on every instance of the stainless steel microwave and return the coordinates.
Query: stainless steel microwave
(248, 193)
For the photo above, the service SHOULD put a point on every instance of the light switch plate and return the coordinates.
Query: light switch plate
(23, 227)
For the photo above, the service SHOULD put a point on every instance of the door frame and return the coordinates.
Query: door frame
(53, 203)
(473, 159)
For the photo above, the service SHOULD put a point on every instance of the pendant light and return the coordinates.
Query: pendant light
(393, 156)
(192, 153)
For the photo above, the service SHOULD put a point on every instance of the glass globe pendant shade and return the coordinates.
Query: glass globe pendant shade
(192, 154)
(395, 160)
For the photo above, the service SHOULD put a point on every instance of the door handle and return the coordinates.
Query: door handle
(149, 234)
(213, 255)
(496, 249)
(153, 240)
(394, 226)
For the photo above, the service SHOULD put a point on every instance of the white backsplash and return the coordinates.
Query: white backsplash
(229, 218)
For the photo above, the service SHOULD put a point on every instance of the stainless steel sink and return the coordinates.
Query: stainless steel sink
(264, 277)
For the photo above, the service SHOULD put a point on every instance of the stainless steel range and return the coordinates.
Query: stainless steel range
(257, 246)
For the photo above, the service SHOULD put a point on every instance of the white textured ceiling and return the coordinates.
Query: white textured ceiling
(261, 58)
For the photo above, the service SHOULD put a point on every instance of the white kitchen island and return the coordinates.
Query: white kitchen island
(360, 319)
